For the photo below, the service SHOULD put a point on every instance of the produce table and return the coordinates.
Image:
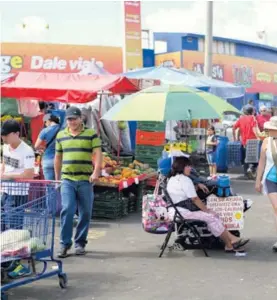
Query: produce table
(128, 182)
(114, 201)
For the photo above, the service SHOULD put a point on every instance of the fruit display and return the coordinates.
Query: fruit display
(114, 173)
(8, 117)
(179, 146)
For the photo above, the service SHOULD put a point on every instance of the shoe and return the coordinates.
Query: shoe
(274, 248)
(20, 271)
(63, 253)
(79, 250)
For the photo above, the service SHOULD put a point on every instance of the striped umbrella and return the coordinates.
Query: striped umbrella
(167, 103)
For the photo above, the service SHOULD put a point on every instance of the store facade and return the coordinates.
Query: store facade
(251, 65)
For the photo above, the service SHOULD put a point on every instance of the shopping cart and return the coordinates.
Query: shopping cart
(28, 212)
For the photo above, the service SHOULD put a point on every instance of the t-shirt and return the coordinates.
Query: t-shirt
(36, 126)
(16, 161)
(211, 148)
(77, 153)
(246, 124)
(261, 119)
(47, 135)
(180, 188)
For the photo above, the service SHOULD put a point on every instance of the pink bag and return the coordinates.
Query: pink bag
(155, 217)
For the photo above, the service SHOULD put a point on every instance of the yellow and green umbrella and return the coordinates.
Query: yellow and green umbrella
(168, 103)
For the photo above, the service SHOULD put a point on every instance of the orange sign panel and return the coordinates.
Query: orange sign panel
(133, 48)
(58, 58)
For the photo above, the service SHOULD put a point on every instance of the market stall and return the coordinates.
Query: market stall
(195, 129)
(119, 181)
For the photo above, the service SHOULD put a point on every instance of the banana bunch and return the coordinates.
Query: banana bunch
(178, 146)
(8, 117)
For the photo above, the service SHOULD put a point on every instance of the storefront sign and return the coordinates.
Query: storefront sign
(58, 58)
(256, 75)
(217, 70)
(266, 96)
(171, 59)
(133, 47)
(230, 210)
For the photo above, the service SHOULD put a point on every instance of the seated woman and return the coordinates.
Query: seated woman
(182, 192)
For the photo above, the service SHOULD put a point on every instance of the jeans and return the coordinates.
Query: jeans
(48, 171)
(76, 194)
(12, 219)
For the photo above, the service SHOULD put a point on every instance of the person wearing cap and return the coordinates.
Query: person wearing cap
(263, 117)
(18, 163)
(266, 180)
(47, 138)
(77, 162)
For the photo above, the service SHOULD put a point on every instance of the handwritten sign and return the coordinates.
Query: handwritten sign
(230, 210)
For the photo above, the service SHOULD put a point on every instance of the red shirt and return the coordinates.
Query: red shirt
(261, 119)
(246, 125)
(36, 126)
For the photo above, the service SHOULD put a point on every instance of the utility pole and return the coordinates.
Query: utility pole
(209, 40)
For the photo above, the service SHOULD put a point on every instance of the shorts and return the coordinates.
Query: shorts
(211, 158)
(271, 186)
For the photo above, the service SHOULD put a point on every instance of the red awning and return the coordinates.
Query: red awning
(64, 87)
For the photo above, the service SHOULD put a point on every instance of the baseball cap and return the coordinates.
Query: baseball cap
(10, 126)
(73, 112)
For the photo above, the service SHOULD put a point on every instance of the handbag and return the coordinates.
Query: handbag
(155, 217)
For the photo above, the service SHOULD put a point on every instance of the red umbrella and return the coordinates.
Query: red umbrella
(64, 87)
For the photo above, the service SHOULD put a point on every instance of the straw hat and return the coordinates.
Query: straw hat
(271, 124)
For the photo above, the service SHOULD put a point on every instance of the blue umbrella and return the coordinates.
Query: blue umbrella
(188, 78)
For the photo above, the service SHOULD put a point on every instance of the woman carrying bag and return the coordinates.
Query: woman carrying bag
(266, 179)
(47, 138)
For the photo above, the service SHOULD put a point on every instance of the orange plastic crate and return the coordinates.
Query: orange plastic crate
(150, 138)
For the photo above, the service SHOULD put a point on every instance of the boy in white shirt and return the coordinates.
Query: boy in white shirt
(18, 163)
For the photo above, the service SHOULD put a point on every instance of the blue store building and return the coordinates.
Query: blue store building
(251, 65)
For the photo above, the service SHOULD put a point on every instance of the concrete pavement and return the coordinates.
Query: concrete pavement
(123, 264)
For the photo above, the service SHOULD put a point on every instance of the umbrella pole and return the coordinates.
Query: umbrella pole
(118, 146)
(99, 114)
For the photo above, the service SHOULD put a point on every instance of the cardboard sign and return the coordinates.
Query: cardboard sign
(230, 210)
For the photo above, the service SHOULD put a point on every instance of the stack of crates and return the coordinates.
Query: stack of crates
(234, 154)
(253, 149)
(109, 203)
(150, 141)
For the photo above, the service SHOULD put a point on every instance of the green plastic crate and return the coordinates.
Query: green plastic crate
(151, 126)
(149, 151)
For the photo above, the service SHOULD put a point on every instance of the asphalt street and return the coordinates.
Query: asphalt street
(122, 264)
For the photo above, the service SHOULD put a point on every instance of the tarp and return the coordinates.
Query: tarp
(63, 87)
(93, 69)
(4, 77)
(188, 78)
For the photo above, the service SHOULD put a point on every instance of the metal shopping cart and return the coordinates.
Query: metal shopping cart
(28, 212)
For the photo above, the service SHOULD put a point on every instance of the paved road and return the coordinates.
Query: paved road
(122, 264)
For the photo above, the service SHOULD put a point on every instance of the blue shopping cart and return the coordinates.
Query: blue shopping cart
(28, 213)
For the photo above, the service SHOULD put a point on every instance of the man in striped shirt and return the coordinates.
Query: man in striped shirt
(77, 162)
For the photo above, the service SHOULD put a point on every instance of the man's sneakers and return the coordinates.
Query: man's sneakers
(63, 253)
(274, 248)
(19, 271)
(79, 250)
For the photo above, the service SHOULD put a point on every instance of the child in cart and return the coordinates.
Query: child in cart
(18, 163)
(211, 151)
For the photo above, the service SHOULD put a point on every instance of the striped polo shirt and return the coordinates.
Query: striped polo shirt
(77, 153)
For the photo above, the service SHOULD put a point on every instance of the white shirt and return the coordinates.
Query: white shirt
(180, 188)
(16, 161)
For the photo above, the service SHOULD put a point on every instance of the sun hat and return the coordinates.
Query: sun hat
(271, 124)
